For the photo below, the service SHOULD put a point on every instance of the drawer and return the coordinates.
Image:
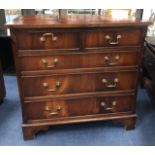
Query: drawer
(79, 107)
(47, 39)
(113, 37)
(79, 60)
(78, 83)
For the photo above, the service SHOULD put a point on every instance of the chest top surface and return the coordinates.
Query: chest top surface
(73, 21)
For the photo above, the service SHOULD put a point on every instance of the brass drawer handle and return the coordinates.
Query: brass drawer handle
(49, 110)
(57, 86)
(111, 42)
(53, 113)
(107, 59)
(115, 82)
(43, 37)
(113, 104)
(55, 62)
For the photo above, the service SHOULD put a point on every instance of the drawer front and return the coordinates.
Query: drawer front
(79, 107)
(78, 83)
(81, 60)
(47, 39)
(113, 37)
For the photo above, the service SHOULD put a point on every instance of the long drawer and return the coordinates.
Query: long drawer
(78, 83)
(79, 60)
(79, 107)
(73, 39)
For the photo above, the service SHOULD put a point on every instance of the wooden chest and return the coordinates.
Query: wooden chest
(76, 69)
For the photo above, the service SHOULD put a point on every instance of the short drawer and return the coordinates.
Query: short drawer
(78, 83)
(79, 60)
(79, 107)
(47, 39)
(113, 37)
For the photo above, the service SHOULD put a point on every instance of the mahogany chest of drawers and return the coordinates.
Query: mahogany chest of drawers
(76, 69)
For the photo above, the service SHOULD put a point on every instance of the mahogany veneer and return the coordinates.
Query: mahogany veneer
(77, 69)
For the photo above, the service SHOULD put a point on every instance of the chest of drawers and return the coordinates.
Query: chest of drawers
(76, 69)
